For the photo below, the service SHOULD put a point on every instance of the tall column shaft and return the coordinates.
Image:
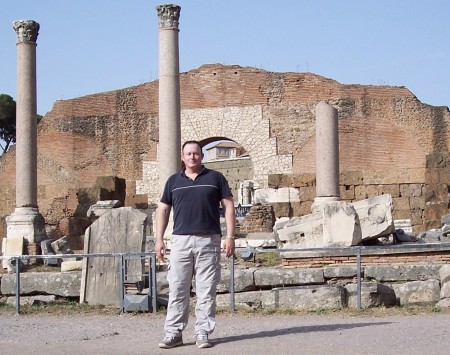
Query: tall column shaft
(26, 111)
(26, 222)
(169, 93)
(327, 154)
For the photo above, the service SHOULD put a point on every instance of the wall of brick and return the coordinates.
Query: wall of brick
(440, 257)
(385, 134)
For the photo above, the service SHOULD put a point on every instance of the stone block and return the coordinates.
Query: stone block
(373, 294)
(120, 229)
(436, 160)
(444, 276)
(243, 280)
(351, 178)
(284, 194)
(437, 176)
(65, 284)
(375, 216)
(71, 265)
(434, 211)
(436, 193)
(300, 208)
(283, 277)
(11, 247)
(391, 189)
(367, 191)
(417, 203)
(32, 300)
(309, 298)
(394, 273)
(400, 203)
(307, 193)
(276, 181)
(347, 192)
(417, 292)
(101, 207)
(300, 232)
(281, 209)
(331, 272)
(341, 226)
(300, 180)
(411, 190)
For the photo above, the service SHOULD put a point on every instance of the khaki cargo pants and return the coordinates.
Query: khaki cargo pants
(198, 256)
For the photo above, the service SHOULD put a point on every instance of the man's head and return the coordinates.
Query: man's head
(192, 155)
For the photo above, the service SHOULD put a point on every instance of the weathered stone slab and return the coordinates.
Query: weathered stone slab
(100, 208)
(444, 303)
(32, 300)
(65, 284)
(373, 294)
(310, 297)
(71, 265)
(284, 194)
(284, 277)
(300, 298)
(444, 276)
(300, 232)
(11, 247)
(243, 280)
(401, 272)
(375, 216)
(120, 230)
(341, 226)
(417, 292)
(331, 272)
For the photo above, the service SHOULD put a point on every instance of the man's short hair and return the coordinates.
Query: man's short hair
(191, 142)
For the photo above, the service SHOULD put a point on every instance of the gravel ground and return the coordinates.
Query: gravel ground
(337, 333)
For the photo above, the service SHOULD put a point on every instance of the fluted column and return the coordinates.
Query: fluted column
(169, 93)
(26, 221)
(327, 155)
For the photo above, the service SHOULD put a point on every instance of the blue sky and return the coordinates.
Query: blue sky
(91, 46)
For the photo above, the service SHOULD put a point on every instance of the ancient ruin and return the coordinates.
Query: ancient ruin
(326, 165)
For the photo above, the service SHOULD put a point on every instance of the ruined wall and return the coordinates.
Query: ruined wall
(385, 134)
(409, 199)
(235, 170)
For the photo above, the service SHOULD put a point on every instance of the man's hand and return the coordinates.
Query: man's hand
(228, 246)
(160, 250)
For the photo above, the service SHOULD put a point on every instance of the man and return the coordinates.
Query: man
(195, 195)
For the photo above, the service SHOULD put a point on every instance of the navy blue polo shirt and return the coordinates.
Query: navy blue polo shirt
(196, 202)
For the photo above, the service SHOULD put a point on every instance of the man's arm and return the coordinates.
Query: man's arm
(162, 219)
(230, 220)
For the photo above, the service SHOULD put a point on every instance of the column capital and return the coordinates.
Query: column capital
(168, 15)
(27, 30)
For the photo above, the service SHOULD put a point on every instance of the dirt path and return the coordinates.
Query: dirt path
(237, 334)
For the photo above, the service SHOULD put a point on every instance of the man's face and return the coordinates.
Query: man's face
(192, 156)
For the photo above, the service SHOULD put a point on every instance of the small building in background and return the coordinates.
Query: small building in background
(224, 150)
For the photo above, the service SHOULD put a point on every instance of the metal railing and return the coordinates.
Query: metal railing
(15, 262)
(357, 251)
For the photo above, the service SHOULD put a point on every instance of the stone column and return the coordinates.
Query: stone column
(327, 156)
(26, 221)
(169, 93)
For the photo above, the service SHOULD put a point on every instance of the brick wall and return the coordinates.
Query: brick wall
(385, 133)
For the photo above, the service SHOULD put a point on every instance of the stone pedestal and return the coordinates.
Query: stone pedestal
(27, 223)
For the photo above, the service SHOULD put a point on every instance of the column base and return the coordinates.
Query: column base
(26, 222)
(319, 202)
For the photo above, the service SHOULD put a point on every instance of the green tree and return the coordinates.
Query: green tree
(7, 122)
